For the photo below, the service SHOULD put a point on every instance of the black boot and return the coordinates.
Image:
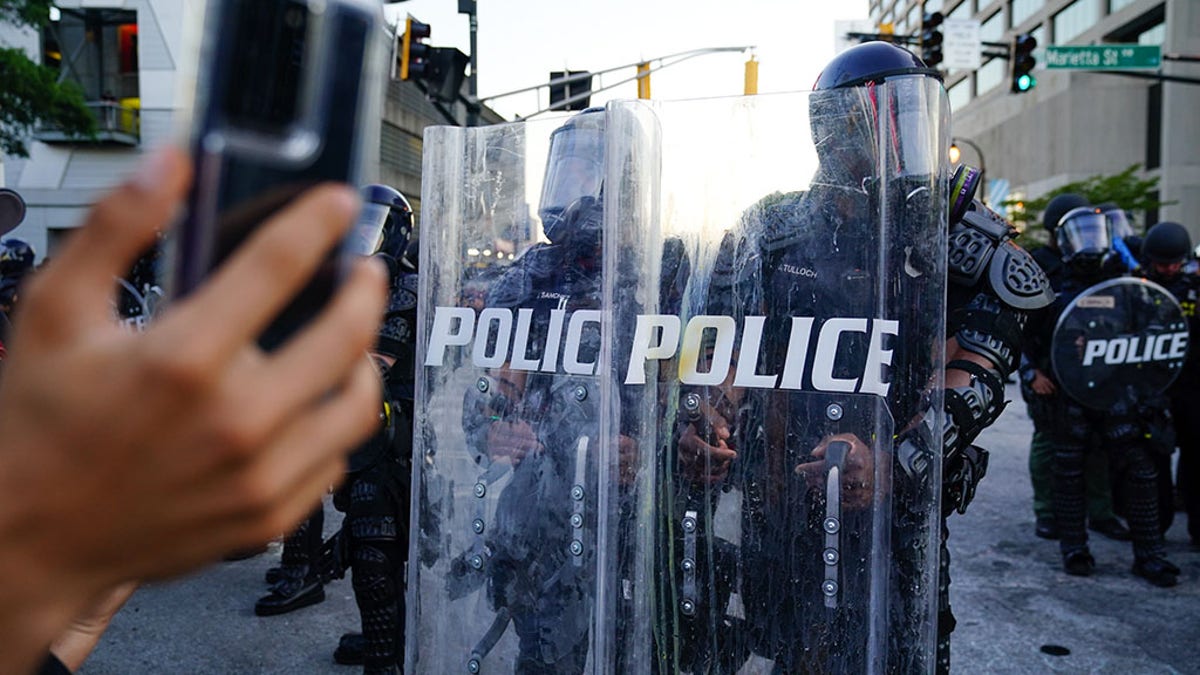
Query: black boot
(1079, 563)
(291, 593)
(350, 649)
(1156, 570)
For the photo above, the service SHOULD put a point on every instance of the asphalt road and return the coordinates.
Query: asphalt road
(1018, 612)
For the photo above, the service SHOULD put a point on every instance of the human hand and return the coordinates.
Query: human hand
(857, 472)
(705, 453)
(512, 441)
(142, 455)
(1042, 385)
(85, 631)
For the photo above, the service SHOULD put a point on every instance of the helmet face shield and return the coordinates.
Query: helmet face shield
(1119, 222)
(367, 234)
(574, 170)
(879, 128)
(1083, 232)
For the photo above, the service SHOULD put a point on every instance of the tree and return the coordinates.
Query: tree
(1125, 189)
(31, 94)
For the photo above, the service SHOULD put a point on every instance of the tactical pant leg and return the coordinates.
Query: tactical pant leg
(377, 592)
(1041, 473)
(1164, 490)
(1098, 482)
(1070, 509)
(378, 530)
(1140, 479)
(303, 545)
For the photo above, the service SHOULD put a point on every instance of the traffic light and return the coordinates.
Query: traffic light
(444, 73)
(1022, 62)
(414, 54)
(931, 39)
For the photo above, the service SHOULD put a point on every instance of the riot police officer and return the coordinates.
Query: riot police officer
(542, 425)
(373, 540)
(1037, 389)
(805, 462)
(1165, 250)
(1083, 239)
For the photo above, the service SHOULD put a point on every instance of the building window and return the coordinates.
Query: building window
(933, 6)
(992, 30)
(914, 18)
(1115, 6)
(1022, 10)
(1075, 19)
(1153, 36)
(1039, 34)
(962, 11)
(990, 75)
(959, 93)
(97, 49)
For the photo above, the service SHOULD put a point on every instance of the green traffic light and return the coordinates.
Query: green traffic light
(1025, 82)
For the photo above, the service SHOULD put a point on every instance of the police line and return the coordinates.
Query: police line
(500, 336)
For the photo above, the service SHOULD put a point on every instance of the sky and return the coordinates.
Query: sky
(521, 41)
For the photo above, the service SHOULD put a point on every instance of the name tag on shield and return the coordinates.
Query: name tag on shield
(1123, 339)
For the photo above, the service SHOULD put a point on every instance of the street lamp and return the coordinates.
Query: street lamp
(956, 154)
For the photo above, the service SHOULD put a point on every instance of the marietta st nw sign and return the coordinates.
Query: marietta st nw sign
(1102, 57)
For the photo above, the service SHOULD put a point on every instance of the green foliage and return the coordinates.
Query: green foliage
(33, 13)
(32, 95)
(1124, 189)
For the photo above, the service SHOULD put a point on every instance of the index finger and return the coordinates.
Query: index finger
(249, 290)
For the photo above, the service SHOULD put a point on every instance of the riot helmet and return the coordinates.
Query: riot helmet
(1058, 207)
(1166, 248)
(574, 176)
(847, 105)
(385, 223)
(16, 257)
(1118, 220)
(1083, 238)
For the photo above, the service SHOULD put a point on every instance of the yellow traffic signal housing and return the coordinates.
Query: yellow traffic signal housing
(414, 53)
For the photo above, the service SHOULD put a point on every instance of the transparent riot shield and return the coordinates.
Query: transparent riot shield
(788, 329)
(1122, 340)
(518, 481)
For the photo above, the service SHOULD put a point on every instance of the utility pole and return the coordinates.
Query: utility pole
(468, 7)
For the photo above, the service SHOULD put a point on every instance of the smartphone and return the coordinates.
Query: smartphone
(287, 93)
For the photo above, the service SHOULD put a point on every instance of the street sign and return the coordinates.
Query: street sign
(1104, 57)
(962, 47)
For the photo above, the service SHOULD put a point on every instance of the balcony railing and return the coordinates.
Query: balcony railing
(117, 123)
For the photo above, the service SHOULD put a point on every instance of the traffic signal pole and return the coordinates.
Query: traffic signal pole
(664, 62)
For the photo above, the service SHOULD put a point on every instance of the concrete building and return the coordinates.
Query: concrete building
(1076, 124)
(127, 56)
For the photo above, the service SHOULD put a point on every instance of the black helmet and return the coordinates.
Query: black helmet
(574, 175)
(847, 113)
(1057, 207)
(1083, 238)
(871, 63)
(1166, 243)
(385, 223)
(16, 257)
